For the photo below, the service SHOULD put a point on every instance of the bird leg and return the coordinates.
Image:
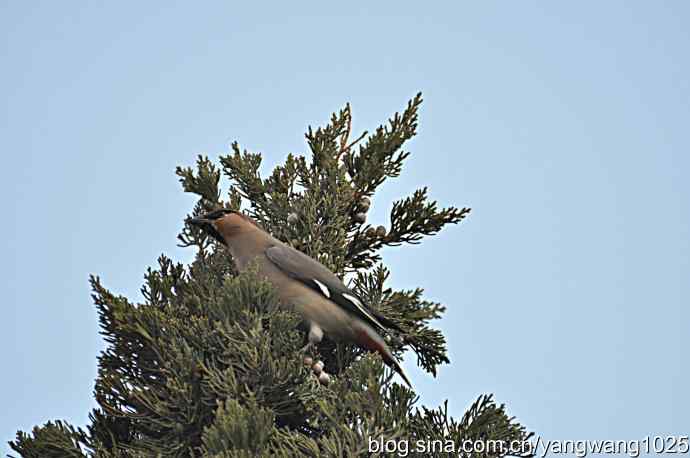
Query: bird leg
(315, 335)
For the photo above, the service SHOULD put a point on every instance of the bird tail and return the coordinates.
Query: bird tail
(369, 339)
(389, 359)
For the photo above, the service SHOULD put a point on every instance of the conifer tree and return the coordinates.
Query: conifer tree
(208, 365)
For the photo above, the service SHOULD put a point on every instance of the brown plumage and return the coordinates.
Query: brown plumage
(315, 292)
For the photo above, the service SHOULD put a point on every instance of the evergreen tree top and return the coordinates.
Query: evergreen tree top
(208, 364)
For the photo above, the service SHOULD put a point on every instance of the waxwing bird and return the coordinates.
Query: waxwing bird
(316, 293)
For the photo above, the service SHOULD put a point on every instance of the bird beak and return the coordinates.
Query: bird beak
(206, 225)
(199, 221)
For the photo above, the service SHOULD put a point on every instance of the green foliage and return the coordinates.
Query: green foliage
(52, 440)
(209, 364)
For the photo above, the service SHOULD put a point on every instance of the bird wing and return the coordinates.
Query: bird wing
(316, 276)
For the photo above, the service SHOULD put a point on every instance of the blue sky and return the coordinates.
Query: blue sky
(563, 125)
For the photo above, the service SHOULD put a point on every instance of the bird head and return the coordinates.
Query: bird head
(223, 224)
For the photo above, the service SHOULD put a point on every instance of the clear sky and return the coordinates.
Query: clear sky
(564, 125)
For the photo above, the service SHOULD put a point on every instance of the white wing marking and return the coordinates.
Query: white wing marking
(323, 288)
(359, 305)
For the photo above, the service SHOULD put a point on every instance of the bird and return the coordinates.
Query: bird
(325, 303)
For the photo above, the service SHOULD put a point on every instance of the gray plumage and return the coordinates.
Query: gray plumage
(317, 276)
(315, 292)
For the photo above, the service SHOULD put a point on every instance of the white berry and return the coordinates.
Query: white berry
(324, 378)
